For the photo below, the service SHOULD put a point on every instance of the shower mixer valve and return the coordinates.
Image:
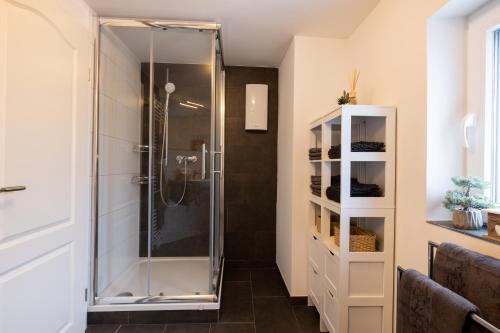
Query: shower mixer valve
(189, 159)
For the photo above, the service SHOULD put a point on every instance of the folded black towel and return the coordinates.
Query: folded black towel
(316, 191)
(316, 187)
(357, 189)
(314, 158)
(471, 275)
(424, 306)
(333, 193)
(334, 152)
(362, 146)
(335, 180)
(314, 150)
(316, 180)
(366, 146)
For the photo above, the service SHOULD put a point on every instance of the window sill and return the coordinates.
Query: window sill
(481, 234)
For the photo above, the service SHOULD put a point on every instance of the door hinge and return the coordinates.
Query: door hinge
(86, 294)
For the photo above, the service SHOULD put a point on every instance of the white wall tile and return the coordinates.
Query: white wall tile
(119, 133)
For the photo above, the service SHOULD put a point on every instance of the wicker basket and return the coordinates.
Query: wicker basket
(360, 240)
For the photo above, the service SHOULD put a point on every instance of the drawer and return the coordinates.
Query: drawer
(316, 256)
(332, 267)
(315, 287)
(331, 310)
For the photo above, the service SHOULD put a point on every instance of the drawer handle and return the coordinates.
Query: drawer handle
(315, 238)
(330, 294)
(315, 271)
(333, 254)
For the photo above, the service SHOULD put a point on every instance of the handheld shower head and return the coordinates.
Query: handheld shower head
(169, 87)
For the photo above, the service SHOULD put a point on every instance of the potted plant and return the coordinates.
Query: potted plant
(467, 201)
(344, 99)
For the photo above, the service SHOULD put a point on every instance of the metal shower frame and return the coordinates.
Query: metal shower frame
(217, 51)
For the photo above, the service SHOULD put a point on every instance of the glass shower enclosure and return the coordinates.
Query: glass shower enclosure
(158, 162)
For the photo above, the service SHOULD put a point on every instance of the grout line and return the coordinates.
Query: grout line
(253, 304)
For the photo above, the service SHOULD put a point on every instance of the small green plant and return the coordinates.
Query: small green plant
(468, 196)
(344, 99)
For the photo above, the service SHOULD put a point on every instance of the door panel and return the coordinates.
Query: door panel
(39, 100)
(44, 145)
(46, 304)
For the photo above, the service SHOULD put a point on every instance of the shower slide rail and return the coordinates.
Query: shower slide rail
(432, 246)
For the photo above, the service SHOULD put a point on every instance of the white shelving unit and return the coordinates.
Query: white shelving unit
(353, 291)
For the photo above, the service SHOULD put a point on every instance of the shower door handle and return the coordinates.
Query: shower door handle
(203, 161)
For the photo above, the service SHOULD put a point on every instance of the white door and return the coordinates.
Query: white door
(45, 53)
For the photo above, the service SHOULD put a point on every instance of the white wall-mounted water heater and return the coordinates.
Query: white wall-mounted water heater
(256, 107)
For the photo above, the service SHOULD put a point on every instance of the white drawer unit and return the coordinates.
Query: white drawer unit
(315, 288)
(331, 310)
(316, 257)
(331, 270)
(351, 235)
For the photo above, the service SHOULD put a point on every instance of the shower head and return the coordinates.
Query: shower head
(169, 87)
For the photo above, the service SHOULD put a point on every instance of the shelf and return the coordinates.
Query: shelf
(315, 161)
(333, 117)
(315, 199)
(332, 205)
(368, 156)
(359, 276)
(481, 234)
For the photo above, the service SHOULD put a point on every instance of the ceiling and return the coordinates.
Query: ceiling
(254, 32)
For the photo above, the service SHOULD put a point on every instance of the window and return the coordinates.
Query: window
(495, 117)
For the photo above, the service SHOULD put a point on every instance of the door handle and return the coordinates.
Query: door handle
(12, 188)
(203, 162)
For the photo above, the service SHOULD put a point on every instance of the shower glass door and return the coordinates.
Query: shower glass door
(179, 244)
(159, 164)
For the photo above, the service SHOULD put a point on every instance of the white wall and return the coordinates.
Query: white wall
(446, 107)
(390, 50)
(119, 131)
(310, 89)
(285, 184)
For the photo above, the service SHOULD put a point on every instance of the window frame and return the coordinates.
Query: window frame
(495, 116)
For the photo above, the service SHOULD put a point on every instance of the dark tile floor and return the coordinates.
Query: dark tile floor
(253, 301)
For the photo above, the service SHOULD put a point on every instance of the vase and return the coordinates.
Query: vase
(352, 98)
(467, 219)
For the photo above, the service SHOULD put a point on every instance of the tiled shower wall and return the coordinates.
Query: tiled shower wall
(250, 173)
(181, 231)
(119, 132)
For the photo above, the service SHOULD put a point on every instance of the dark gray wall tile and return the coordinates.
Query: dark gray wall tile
(250, 172)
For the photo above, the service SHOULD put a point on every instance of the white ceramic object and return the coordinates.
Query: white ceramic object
(471, 219)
